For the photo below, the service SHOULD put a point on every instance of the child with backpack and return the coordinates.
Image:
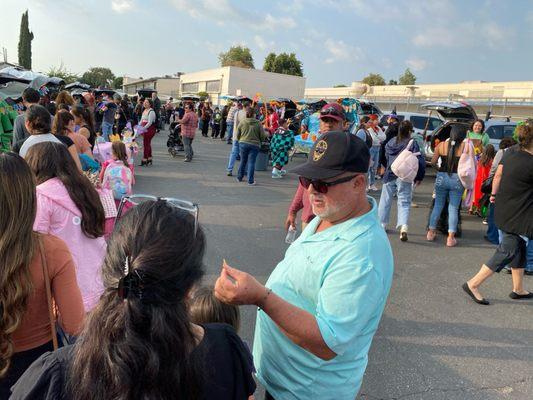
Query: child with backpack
(217, 120)
(117, 174)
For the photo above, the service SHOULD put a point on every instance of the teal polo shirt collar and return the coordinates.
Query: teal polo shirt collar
(348, 230)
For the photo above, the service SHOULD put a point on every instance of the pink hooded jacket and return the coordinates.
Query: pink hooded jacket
(58, 215)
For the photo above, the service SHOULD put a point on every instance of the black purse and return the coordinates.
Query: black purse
(486, 186)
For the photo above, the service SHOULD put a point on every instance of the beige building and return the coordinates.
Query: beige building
(237, 81)
(165, 86)
(514, 98)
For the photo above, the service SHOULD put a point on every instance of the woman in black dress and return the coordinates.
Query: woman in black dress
(139, 342)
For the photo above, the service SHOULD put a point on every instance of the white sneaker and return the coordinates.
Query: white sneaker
(252, 184)
(283, 172)
(373, 188)
(403, 233)
(277, 176)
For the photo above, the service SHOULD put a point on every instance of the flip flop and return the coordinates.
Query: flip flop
(469, 292)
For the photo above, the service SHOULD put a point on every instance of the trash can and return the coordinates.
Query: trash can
(261, 163)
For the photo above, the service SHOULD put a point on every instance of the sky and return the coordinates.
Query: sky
(337, 41)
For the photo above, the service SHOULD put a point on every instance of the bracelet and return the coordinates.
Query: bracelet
(260, 305)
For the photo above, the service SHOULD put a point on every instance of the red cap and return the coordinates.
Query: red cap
(334, 111)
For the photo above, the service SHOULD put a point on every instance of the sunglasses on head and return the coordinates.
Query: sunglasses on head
(136, 199)
(321, 186)
(330, 111)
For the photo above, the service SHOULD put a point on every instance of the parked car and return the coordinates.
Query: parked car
(419, 121)
(453, 113)
(497, 129)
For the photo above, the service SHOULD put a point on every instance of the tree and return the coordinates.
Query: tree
(203, 95)
(374, 80)
(393, 82)
(118, 82)
(408, 78)
(25, 38)
(340, 85)
(63, 73)
(269, 62)
(237, 56)
(98, 76)
(283, 63)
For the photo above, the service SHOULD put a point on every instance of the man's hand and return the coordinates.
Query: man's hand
(291, 221)
(238, 287)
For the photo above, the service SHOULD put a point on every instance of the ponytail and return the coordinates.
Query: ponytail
(457, 136)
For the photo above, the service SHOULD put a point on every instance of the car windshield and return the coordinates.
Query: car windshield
(419, 122)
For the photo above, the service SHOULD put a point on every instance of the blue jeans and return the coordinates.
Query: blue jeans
(229, 131)
(492, 231)
(447, 187)
(107, 129)
(405, 194)
(374, 156)
(233, 155)
(248, 156)
(529, 262)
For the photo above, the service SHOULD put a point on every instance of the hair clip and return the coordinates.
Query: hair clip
(126, 266)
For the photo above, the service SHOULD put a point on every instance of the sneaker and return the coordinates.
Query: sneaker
(277, 176)
(373, 188)
(485, 222)
(230, 173)
(251, 184)
(238, 180)
(403, 233)
(283, 172)
(187, 160)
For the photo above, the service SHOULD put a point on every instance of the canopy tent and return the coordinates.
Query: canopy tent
(78, 85)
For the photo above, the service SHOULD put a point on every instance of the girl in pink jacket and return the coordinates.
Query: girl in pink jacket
(69, 207)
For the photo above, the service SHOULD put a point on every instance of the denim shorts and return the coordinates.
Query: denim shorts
(511, 251)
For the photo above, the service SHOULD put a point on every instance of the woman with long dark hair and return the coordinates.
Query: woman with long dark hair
(448, 186)
(393, 185)
(63, 126)
(84, 118)
(69, 207)
(139, 342)
(148, 121)
(25, 324)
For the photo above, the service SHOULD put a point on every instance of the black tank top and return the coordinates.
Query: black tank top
(444, 165)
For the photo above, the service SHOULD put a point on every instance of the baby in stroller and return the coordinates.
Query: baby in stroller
(174, 142)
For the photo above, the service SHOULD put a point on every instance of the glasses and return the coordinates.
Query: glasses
(321, 186)
(330, 111)
(136, 199)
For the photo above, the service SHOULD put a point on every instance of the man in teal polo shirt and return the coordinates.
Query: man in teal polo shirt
(322, 304)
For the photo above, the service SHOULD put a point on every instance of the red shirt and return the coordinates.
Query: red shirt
(301, 202)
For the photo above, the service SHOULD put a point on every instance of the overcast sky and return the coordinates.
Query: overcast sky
(337, 41)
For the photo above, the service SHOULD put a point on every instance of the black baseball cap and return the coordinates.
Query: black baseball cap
(333, 154)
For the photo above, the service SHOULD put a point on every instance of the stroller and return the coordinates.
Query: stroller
(174, 142)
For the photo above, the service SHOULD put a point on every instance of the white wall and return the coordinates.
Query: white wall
(269, 84)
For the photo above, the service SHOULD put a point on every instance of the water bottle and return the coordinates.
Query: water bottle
(291, 235)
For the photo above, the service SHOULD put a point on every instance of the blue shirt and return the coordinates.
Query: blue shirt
(342, 276)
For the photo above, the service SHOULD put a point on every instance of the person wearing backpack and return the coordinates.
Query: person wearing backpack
(363, 131)
(401, 184)
(117, 174)
(448, 184)
(69, 207)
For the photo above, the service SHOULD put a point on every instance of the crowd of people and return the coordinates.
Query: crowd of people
(100, 293)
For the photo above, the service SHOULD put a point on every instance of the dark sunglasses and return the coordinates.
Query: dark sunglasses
(321, 186)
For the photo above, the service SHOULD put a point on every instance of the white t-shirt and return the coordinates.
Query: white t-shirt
(34, 139)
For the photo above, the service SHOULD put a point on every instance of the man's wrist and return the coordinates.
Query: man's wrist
(263, 298)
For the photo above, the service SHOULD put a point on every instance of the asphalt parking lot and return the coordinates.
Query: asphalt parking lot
(433, 342)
